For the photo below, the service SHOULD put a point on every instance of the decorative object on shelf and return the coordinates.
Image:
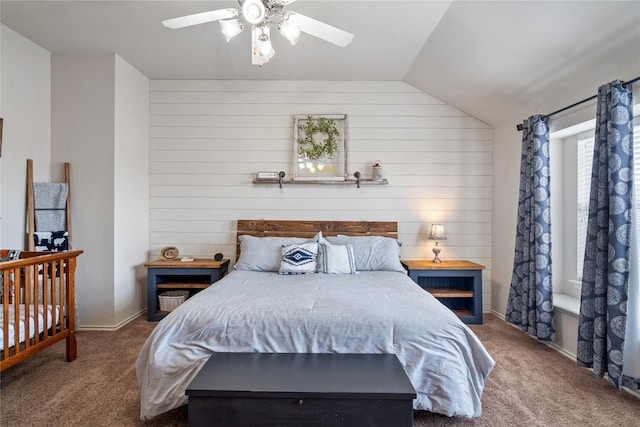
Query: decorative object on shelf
(311, 149)
(218, 256)
(169, 253)
(259, 13)
(320, 147)
(376, 171)
(267, 176)
(437, 234)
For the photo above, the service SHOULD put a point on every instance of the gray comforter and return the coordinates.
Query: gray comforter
(371, 312)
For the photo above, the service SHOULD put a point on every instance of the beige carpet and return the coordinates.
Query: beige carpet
(531, 385)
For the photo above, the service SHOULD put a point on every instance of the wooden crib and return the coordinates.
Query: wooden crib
(38, 304)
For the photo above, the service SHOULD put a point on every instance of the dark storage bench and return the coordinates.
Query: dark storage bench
(293, 389)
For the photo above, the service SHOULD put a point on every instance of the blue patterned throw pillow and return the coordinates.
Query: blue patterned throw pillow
(299, 259)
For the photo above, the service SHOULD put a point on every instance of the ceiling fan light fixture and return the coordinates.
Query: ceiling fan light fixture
(253, 11)
(289, 28)
(259, 14)
(262, 50)
(231, 28)
(265, 50)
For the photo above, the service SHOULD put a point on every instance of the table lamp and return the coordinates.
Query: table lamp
(437, 233)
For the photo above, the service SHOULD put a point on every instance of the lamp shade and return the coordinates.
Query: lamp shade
(262, 49)
(289, 28)
(231, 28)
(437, 232)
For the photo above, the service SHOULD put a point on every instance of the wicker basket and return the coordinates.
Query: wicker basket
(170, 300)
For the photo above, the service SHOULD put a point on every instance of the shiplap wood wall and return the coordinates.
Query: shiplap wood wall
(209, 138)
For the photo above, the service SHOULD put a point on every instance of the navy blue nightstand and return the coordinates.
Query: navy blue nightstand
(180, 275)
(457, 284)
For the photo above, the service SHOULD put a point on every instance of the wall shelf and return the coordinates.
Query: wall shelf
(320, 182)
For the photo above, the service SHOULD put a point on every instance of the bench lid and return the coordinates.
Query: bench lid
(309, 375)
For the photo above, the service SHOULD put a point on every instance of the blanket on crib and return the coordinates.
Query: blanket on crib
(52, 314)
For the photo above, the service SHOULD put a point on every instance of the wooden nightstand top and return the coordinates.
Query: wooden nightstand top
(196, 263)
(427, 264)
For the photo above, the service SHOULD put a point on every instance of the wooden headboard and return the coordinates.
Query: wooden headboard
(309, 228)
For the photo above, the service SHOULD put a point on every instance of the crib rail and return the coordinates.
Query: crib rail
(38, 304)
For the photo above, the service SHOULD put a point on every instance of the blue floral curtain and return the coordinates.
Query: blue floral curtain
(605, 277)
(530, 303)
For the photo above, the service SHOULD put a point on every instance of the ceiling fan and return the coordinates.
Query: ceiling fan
(259, 13)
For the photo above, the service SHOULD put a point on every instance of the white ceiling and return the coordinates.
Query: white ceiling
(487, 58)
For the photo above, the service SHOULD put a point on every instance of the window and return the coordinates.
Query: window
(583, 192)
(571, 169)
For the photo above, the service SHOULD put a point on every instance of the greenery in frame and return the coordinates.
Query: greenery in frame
(310, 142)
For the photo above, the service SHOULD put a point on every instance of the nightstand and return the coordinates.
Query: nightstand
(192, 276)
(457, 284)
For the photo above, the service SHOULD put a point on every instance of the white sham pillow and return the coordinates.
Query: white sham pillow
(372, 253)
(336, 259)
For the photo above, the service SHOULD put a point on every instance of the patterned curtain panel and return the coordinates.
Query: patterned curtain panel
(605, 277)
(530, 304)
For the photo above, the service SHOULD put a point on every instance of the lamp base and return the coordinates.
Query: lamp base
(436, 251)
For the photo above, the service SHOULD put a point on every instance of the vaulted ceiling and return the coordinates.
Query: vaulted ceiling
(487, 58)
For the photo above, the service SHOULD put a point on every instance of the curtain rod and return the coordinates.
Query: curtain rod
(544, 117)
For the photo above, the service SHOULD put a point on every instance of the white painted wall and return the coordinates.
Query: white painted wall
(209, 138)
(100, 125)
(506, 170)
(131, 183)
(26, 108)
(83, 134)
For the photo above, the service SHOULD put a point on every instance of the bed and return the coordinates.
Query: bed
(37, 296)
(359, 299)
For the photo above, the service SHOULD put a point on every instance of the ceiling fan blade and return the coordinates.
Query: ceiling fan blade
(322, 31)
(200, 18)
(285, 2)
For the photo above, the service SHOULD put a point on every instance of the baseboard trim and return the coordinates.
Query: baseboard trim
(553, 345)
(498, 315)
(560, 350)
(112, 328)
(634, 393)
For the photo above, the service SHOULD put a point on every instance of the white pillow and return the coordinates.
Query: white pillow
(336, 259)
(372, 253)
(299, 259)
